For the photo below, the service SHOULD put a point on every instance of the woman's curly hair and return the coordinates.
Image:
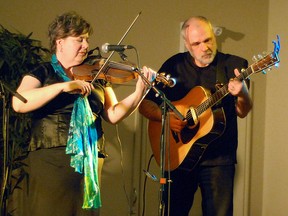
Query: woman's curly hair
(67, 24)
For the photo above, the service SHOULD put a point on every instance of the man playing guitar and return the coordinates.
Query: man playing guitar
(203, 145)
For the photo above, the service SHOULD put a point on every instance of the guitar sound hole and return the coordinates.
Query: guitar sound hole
(187, 134)
(190, 120)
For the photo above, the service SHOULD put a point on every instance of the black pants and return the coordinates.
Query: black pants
(51, 187)
(216, 184)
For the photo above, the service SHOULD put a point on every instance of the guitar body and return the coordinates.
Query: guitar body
(192, 141)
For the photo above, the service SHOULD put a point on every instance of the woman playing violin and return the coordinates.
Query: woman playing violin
(66, 149)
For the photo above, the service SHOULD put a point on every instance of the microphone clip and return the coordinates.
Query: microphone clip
(123, 56)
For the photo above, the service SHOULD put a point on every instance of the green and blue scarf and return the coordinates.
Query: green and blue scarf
(82, 144)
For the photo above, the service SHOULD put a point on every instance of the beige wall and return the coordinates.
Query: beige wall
(249, 28)
(275, 188)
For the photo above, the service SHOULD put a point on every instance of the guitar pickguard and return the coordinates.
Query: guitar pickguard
(187, 134)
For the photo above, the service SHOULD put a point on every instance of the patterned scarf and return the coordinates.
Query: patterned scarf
(82, 144)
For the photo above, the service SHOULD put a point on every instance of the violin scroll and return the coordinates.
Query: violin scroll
(166, 80)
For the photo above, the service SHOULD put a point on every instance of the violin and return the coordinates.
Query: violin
(114, 72)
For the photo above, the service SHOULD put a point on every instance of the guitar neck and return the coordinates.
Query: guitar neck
(221, 93)
(264, 63)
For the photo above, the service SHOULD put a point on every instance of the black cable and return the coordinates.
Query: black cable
(144, 187)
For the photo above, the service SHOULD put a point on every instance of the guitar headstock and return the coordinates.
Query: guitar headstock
(266, 61)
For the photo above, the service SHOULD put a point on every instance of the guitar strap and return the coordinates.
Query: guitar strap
(221, 76)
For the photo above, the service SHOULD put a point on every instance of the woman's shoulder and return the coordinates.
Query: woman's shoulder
(41, 71)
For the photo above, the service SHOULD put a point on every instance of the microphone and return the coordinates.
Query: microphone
(118, 48)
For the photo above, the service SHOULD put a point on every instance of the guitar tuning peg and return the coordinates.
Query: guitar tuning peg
(257, 58)
(264, 72)
(254, 58)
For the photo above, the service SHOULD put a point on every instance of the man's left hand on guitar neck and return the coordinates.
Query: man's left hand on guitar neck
(239, 89)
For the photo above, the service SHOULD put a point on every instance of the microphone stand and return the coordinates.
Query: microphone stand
(166, 105)
(7, 164)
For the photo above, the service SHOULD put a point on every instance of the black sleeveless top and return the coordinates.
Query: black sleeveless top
(50, 123)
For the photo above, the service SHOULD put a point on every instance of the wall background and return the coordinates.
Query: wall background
(249, 28)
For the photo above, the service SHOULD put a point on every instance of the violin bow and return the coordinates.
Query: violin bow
(120, 41)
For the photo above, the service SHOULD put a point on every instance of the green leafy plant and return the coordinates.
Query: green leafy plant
(18, 54)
